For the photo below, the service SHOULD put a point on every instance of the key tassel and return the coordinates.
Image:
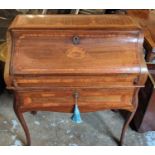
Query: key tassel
(76, 117)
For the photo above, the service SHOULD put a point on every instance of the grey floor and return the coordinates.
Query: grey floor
(49, 128)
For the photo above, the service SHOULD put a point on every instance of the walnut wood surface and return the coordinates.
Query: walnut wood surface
(89, 99)
(46, 64)
(73, 22)
(55, 48)
(42, 56)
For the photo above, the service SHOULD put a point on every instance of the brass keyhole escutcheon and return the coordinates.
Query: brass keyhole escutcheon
(75, 96)
(76, 40)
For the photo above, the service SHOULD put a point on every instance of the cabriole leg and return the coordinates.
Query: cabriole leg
(125, 126)
(21, 119)
(129, 119)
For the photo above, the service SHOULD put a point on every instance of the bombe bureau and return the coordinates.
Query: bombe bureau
(52, 57)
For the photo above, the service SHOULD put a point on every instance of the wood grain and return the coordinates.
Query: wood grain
(46, 64)
(89, 99)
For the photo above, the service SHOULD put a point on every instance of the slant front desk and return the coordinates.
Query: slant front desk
(53, 57)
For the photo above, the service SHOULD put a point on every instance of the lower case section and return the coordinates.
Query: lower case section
(89, 100)
(63, 100)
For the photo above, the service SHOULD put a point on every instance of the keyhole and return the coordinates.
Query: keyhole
(76, 40)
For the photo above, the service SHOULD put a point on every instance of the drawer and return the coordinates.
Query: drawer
(62, 100)
(38, 52)
(76, 81)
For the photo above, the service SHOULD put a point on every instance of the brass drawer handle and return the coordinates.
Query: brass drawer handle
(76, 40)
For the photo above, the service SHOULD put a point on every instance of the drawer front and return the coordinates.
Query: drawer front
(77, 81)
(75, 52)
(62, 100)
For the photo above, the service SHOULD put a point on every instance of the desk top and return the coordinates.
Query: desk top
(74, 21)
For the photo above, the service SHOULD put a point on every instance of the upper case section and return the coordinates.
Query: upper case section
(76, 45)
